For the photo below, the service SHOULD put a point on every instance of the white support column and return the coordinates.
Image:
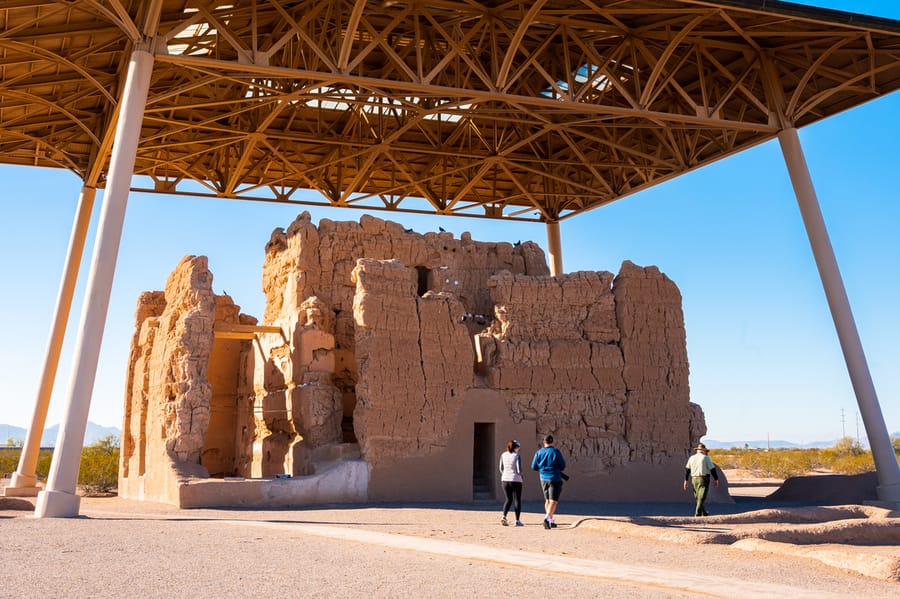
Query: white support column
(59, 498)
(554, 247)
(24, 481)
(883, 453)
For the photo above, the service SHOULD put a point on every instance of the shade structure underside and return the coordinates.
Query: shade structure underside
(519, 110)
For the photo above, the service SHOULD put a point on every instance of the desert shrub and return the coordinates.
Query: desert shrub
(99, 472)
(9, 463)
(42, 469)
(846, 457)
(895, 441)
(854, 464)
(846, 446)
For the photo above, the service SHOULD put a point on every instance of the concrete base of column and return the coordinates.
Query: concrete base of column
(21, 485)
(57, 504)
(889, 493)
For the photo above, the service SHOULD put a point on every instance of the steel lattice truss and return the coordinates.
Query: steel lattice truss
(536, 109)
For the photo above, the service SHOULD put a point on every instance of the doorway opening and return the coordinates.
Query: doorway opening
(483, 466)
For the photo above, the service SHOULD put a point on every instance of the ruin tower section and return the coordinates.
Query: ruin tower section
(553, 355)
(391, 365)
(416, 363)
(170, 399)
(654, 348)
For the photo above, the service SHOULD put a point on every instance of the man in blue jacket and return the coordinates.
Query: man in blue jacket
(549, 462)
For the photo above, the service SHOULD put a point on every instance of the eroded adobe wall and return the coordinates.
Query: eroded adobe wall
(564, 355)
(150, 306)
(599, 362)
(289, 387)
(415, 363)
(553, 353)
(307, 261)
(305, 384)
(453, 340)
(659, 415)
(168, 402)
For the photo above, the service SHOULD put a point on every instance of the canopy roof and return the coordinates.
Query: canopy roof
(532, 109)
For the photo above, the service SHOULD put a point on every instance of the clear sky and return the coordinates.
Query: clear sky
(764, 356)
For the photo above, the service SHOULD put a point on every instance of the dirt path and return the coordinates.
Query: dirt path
(120, 548)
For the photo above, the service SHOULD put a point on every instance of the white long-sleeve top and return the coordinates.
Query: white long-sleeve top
(510, 467)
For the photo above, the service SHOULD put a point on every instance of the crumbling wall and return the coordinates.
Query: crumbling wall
(415, 363)
(409, 345)
(308, 261)
(168, 395)
(305, 384)
(553, 354)
(651, 322)
(150, 306)
(600, 363)
(221, 443)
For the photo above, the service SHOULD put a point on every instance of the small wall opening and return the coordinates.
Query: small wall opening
(423, 274)
(483, 466)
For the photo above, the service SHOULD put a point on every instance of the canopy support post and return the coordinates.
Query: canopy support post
(886, 464)
(59, 499)
(24, 480)
(554, 248)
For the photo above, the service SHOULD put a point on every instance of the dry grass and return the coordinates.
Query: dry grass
(846, 457)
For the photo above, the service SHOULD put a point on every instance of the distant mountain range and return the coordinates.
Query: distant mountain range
(92, 434)
(775, 444)
(780, 444)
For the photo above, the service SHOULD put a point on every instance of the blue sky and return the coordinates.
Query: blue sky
(764, 356)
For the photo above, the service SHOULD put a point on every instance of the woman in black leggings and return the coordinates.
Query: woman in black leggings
(511, 477)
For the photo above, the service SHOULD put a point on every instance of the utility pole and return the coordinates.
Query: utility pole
(843, 429)
(857, 429)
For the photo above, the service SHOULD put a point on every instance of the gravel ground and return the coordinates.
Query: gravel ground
(127, 549)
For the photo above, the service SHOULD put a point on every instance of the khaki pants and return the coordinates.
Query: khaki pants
(701, 490)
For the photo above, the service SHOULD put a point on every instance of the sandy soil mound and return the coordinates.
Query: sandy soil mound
(864, 539)
(14, 503)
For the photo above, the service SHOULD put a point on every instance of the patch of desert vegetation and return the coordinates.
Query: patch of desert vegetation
(98, 474)
(846, 457)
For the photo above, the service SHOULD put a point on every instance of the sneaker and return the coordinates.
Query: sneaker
(504, 522)
(546, 524)
(519, 523)
(553, 524)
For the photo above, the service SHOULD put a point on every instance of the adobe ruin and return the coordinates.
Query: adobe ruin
(393, 366)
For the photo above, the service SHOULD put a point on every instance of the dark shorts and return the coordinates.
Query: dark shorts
(552, 489)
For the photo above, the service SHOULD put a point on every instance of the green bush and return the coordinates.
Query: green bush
(845, 447)
(846, 457)
(9, 463)
(99, 472)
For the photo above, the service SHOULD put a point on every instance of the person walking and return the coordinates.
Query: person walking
(511, 478)
(549, 462)
(697, 471)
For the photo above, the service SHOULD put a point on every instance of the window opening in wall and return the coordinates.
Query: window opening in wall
(483, 467)
(423, 275)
